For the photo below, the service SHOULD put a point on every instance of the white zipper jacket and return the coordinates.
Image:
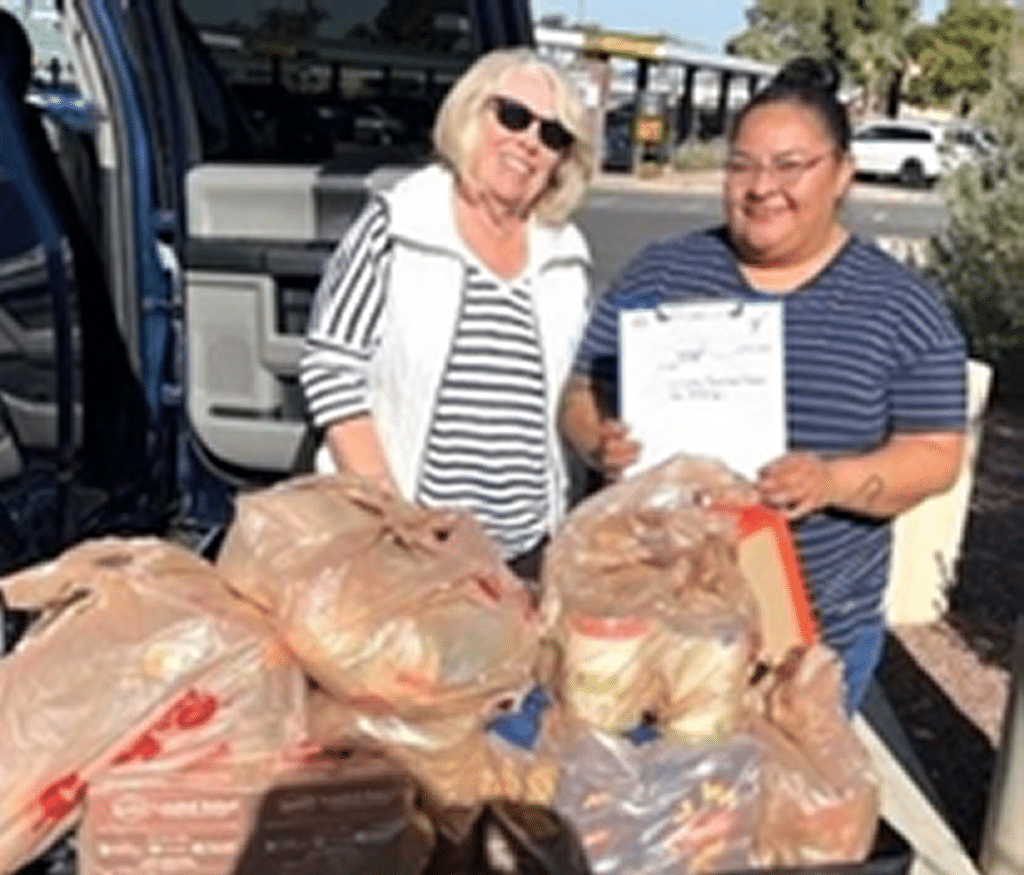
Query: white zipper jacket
(428, 269)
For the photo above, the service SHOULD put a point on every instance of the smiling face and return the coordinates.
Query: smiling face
(515, 167)
(784, 181)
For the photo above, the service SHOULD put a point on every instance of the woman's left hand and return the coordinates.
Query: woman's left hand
(797, 484)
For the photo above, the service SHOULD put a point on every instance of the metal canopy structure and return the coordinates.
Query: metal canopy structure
(665, 79)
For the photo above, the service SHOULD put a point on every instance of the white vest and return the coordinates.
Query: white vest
(428, 272)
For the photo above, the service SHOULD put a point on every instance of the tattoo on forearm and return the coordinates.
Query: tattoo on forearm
(870, 490)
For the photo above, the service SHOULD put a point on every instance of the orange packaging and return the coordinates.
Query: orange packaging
(768, 560)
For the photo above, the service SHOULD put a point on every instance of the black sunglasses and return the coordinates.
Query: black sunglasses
(514, 116)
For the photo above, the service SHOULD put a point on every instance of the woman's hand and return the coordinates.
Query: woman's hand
(614, 451)
(797, 484)
(603, 443)
(880, 484)
(355, 447)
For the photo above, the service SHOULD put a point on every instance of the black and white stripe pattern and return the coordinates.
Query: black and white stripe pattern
(486, 446)
(345, 320)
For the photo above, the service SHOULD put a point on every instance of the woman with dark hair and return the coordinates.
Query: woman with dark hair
(874, 365)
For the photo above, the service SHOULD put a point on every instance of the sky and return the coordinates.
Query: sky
(707, 22)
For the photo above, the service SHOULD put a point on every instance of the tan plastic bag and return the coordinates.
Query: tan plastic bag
(401, 613)
(820, 791)
(655, 619)
(141, 652)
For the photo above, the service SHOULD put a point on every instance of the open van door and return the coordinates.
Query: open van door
(227, 145)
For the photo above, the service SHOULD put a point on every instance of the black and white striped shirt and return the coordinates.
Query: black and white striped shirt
(486, 446)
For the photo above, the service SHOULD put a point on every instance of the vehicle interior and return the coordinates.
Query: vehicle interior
(166, 241)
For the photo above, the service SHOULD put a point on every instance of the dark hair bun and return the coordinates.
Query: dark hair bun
(806, 72)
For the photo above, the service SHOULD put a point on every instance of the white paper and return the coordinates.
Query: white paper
(704, 378)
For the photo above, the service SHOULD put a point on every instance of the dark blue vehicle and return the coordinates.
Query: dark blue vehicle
(166, 209)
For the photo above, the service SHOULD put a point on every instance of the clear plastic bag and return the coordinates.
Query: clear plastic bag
(662, 807)
(645, 597)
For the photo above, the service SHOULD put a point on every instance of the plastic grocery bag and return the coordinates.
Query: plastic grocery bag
(821, 796)
(405, 615)
(140, 653)
(662, 807)
(644, 592)
(490, 762)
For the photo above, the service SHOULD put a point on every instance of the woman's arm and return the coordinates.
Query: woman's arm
(355, 447)
(604, 444)
(343, 332)
(882, 483)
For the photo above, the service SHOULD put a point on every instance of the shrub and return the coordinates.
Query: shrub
(978, 259)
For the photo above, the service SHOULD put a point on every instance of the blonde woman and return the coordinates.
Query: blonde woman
(445, 323)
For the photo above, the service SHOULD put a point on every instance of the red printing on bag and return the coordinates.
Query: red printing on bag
(59, 799)
(193, 709)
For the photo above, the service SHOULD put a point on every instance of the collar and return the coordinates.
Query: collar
(421, 214)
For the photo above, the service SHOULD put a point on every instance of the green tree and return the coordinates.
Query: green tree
(978, 259)
(957, 59)
(865, 37)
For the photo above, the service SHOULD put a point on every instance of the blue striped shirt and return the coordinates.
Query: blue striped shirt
(870, 349)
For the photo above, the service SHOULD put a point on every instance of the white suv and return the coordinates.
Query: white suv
(915, 152)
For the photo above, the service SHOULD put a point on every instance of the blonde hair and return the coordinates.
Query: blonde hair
(458, 126)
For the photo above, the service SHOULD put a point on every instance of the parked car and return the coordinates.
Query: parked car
(916, 153)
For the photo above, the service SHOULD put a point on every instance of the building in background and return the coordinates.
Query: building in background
(649, 94)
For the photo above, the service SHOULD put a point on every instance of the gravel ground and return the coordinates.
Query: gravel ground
(948, 680)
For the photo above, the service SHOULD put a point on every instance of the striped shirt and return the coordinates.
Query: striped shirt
(486, 446)
(344, 325)
(870, 349)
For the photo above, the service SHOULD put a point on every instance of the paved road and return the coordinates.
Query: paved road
(621, 213)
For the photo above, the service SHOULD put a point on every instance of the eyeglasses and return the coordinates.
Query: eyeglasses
(514, 116)
(786, 170)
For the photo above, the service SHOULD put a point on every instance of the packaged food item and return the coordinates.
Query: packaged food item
(663, 807)
(608, 679)
(708, 668)
(340, 812)
(644, 594)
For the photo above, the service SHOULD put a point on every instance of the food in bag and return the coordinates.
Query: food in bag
(405, 615)
(644, 594)
(471, 769)
(821, 795)
(140, 653)
(609, 680)
(707, 669)
(662, 807)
